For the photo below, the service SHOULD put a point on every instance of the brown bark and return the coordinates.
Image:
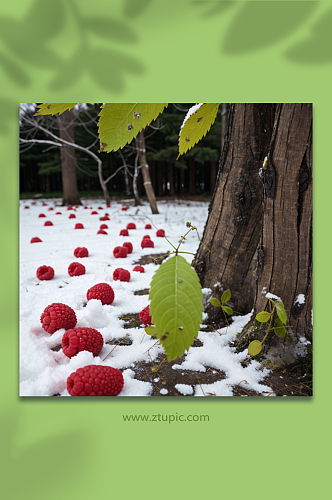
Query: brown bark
(70, 194)
(145, 172)
(285, 263)
(233, 227)
(213, 175)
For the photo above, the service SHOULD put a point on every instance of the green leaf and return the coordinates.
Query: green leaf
(120, 123)
(150, 330)
(254, 348)
(226, 296)
(215, 302)
(281, 312)
(228, 310)
(280, 331)
(197, 126)
(263, 316)
(49, 108)
(176, 305)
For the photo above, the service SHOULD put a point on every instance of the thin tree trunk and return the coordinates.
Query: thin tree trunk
(192, 180)
(145, 172)
(70, 194)
(232, 230)
(213, 175)
(224, 124)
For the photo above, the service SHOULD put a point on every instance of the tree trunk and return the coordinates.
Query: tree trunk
(70, 194)
(285, 262)
(192, 180)
(145, 172)
(213, 175)
(224, 123)
(233, 227)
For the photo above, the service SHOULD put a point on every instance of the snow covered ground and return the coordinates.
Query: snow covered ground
(43, 371)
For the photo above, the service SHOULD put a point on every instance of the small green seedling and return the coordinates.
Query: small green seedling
(224, 298)
(279, 327)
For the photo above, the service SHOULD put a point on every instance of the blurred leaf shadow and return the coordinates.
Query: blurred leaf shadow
(27, 46)
(134, 8)
(316, 49)
(9, 111)
(258, 25)
(42, 464)
(213, 8)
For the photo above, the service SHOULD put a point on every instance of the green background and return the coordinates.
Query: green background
(149, 51)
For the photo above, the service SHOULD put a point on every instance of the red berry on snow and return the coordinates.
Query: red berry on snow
(78, 339)
(121, 274)
(58, 213)
(69, 207)
(105, 218)
(72, 216)
(81, 252)
(146, 237)
(35, 240)
(160, 232)
(94, 213)
(101, 231)
(129, 246)
(139, 269)
(48, 223)
(148, 226)
(95, 380)
(45, 273)
(145, 243)
(104, 226)
(41, 215)
(26, 207)
(131, 225)
(56, 316)
(51, 208)
(124, 232)
(120, 252)
(145, 317)
(123, 208)
(79, 226)
(101, 291)
(76, 269)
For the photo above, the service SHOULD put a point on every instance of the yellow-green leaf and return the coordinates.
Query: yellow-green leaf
(279, 329)
(51, 108)
(120, 123)
(226, 296)
(215, 302)
(150, 330)
(254, 348)
(196, 126)
(263, 316)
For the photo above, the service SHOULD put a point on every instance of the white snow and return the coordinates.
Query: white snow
(191, 111)
(300, 299)
(43, 371)
(272, 296)
(184, 389)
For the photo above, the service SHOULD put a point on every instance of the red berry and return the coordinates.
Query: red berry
(85, 208)
(101, 291)
(101, 231)
(72, 216)
(148, 226)
(121, 274)
(95, 380)
(100, 208)
(145, 317)
(160, 232)
(48, 223)
(69, 207)
(56, 316)
(58, 213)
(124, 232)
(81, 252)
(108, 205)
(78, 339)
(129, 246)
(146, 237)
(105, 217)
(45, 273)
(131, 225)
(35, 240)
(41, 215)
(26, 207)
(145, 243)
(123, 208)
(104, 226)
(79, 226)
(120, 252)
(51, 208)
(76, 269)
(94, 213)
(139, 269)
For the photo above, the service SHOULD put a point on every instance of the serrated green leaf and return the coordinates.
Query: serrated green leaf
(280, 331)
(226, 296)
(215, 302)
(263, 316)
(254, 348)
(281, 312)
(49, 108)
(120, 123)
(197, 126)
(176, 305)
(228, 310)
